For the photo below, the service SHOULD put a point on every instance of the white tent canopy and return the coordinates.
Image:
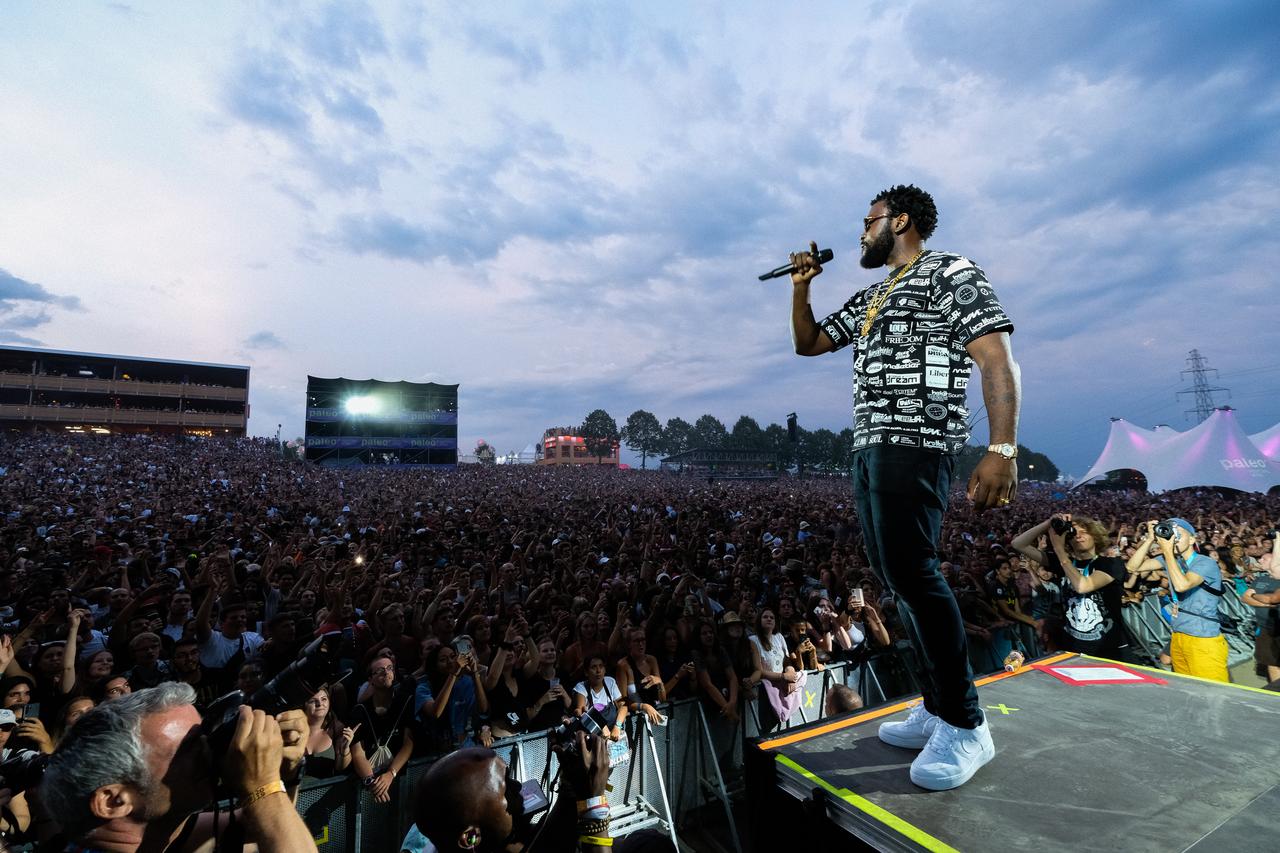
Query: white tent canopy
(1215, 453)
(1268, 441)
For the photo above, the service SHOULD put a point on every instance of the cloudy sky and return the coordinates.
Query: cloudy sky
(564, 206)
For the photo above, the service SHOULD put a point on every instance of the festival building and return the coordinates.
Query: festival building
(565, 446)
(45, 390)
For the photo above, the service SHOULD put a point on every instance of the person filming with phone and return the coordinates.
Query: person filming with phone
(1195, 583)
(1092, 585)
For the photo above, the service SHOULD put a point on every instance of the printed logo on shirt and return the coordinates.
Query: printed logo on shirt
(966, 293)
(936, 377)
(908, 419)
(936, 411)
(961, 383)
(937, 355)
(902, 379)
(904, 440)
(909, 404)
(934, 444)
(899, 328)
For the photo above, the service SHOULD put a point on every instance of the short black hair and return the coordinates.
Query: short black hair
(913, 201)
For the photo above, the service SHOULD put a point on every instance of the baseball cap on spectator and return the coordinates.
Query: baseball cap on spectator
(1184, 524)
(7, 718)
(731, 618)
(663, 576)
(804, 525)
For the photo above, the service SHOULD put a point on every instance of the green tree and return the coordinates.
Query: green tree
(677, 437)
(709, 433)
(643, 434)
(747, 435)
(777, 440)
(842, 456)
(817, 449)
(1036, 466)
(600, 433)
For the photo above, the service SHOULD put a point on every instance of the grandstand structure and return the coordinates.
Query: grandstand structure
(45, 390)
(358, 422)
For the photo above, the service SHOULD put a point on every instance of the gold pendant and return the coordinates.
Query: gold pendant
(866, 324)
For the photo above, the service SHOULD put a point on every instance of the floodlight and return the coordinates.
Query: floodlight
(362, 405)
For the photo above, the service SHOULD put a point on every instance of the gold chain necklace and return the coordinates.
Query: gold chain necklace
(878, 301)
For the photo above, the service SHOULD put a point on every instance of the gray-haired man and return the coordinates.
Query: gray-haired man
(135, 773)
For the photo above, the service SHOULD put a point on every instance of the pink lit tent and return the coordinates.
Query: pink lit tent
(1268, 441)
(1215, 453)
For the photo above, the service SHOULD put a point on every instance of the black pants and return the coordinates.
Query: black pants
(901, 495)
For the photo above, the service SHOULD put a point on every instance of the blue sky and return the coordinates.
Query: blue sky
(563, 206)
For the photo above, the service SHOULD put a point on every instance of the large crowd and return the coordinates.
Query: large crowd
(489, 601)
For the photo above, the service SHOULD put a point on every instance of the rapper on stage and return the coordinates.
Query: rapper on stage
(915, 336)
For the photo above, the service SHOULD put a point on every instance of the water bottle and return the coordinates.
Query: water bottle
(1013, 661)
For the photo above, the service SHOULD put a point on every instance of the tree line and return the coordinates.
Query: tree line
(821, 450)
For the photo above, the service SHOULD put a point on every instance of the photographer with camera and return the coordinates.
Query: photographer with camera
(1195, 585)
(1264, 594)
(135, 775)
(1092, 584)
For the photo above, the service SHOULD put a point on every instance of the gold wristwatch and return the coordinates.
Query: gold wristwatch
(1008, 451)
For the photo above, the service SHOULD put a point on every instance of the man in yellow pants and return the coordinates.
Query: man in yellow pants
(1198, 647)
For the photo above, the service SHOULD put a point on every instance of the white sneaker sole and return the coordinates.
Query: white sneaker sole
(946, 783)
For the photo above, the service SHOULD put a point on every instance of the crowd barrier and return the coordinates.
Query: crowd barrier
(690, 763)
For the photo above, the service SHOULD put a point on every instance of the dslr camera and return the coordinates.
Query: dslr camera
(317, 664)
(593, 722)
(1165, 530)
(1061, 526)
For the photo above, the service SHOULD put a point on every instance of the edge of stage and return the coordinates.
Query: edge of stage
(1091, 754)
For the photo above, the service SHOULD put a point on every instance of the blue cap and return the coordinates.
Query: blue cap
(1184, 524)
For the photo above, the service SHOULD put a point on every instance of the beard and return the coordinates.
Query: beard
(876, 253)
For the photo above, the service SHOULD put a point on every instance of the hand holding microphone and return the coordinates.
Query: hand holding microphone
(804, 265)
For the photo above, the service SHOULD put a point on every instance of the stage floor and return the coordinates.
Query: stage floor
(1165, 763)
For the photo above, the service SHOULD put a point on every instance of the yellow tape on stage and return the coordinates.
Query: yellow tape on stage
(889, 819)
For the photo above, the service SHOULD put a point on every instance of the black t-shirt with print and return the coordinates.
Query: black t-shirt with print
(1094, 622)
(911, 371)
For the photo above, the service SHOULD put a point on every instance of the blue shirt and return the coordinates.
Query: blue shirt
(1198, 608)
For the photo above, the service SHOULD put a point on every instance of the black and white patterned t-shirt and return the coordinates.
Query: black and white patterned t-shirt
(911, 371)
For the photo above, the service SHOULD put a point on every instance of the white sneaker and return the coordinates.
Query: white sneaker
(952, 756)
(913, 732)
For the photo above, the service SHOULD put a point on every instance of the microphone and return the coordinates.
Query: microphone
(821, 256)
